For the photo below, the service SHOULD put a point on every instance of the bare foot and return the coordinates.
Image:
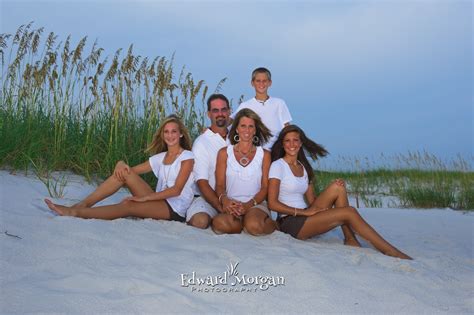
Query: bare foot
(61, 210)
(352, 242)
(399, 254)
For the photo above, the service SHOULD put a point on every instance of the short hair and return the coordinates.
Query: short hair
(261, 70)
(216, 97)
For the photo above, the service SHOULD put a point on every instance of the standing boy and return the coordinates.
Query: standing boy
(205, 149)
(273, 111)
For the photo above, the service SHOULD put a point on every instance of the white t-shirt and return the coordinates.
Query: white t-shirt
(292, 188)
(243, 183)
(205, 149)
(167, 175)
(273, 112)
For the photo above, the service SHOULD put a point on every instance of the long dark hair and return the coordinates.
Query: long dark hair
(262, 132)
(313, 149)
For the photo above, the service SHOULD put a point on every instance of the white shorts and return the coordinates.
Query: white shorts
(198, 205)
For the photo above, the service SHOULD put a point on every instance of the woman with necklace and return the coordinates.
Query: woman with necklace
(301, 213)
(242, 178)
(172, 164)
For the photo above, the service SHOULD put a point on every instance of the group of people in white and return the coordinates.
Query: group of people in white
(231, 178)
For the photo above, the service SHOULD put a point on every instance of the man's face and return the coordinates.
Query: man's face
(219, 113)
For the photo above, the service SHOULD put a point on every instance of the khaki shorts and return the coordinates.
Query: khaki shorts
(200, 205)
(263, 206)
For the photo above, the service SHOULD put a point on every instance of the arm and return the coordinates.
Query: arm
(209, 194)
(276, 205)
(202, 163)
(227, 205)
(309, 194)
(183, 175)
(261, 195)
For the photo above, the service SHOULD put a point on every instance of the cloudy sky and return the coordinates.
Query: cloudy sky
(361, 77)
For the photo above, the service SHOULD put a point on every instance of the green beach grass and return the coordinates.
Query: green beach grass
(65, 109)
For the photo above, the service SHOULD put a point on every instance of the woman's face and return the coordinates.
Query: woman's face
(171, 134)
(292, 143)
(246, 129)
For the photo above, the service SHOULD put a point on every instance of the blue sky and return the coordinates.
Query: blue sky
(361, 77)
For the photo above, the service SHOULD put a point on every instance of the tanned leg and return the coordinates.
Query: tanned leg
(257, 222)
(336, 195)
(225, 223)
(137, 186)
(200, 220)
(151, 209)
(327, 220)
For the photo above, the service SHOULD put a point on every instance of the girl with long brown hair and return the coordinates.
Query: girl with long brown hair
(301, 213)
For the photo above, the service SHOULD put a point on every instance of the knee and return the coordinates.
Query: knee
(339, 186)
(223, 223)
(254, 227)
(200, 221)
(351, 212)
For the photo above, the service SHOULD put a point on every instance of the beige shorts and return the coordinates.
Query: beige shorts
(200, 205)
(263, 206)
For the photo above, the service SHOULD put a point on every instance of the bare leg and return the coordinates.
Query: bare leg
(151, 209)
(336, 195)
(257, 222)
(200, 220)
(226, 223)
(327, 220)
(137, 186)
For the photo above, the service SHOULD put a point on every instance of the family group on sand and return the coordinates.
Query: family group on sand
(231, 178)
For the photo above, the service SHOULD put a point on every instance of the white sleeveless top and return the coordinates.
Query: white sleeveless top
(243, 183)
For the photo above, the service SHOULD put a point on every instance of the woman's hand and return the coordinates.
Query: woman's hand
(313, 210)
(340, 182)
(246, 206)
(121, 170)
(137, 199)
(231, 206)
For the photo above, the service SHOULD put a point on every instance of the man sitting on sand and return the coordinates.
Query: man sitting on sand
(205, 149)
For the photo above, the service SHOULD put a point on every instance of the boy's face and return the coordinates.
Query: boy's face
(261, 83)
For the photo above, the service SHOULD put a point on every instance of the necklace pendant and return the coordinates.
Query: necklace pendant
(244, 161)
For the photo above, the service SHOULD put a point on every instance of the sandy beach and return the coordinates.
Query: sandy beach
(53, 264)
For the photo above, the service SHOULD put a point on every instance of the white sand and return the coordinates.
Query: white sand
(70, 265)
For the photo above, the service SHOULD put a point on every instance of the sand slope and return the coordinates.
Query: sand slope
(70, 265)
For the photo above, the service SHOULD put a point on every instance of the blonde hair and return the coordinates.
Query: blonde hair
(158, 143)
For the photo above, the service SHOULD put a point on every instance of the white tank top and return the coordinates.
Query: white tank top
(243, 183)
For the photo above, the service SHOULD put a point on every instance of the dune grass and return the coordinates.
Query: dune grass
(65, 109)
(425, 185)
(62, 108)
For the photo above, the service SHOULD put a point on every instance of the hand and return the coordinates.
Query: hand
(246, 207)
(121, 170)
(340, 182)
(313, 210)
(136, 199)
(231, 206)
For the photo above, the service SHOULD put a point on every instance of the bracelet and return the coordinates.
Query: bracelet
(295, 213)
(220, 196)
(254, 202)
